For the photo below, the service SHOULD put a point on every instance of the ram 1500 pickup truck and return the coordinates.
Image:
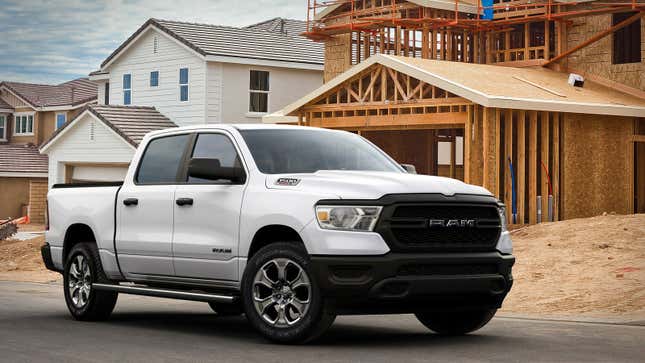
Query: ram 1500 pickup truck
(288, 225)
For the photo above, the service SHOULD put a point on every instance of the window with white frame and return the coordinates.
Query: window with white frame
(259, 92)
(127, 89)
(183, 84)
(23, 124)
(3, 127)
(61, 118)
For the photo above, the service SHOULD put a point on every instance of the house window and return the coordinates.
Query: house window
(259, 92)
(23, 125)
(627, 40)
(3, 127)
(107, 93)
(61, 118)
(127, 89)
(154, 79)
(183, 84)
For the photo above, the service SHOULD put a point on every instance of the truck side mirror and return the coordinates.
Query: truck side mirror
(411, 169)
(211, 169)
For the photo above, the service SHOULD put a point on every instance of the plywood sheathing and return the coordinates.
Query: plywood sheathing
(596, 59)
(595, 166)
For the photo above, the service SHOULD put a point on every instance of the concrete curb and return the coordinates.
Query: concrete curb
(638, 320)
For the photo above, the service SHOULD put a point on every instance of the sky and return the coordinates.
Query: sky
(51, 42)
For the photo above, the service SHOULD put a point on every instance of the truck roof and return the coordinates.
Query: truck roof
(231, 127)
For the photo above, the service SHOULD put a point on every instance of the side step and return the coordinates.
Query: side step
(167, 293)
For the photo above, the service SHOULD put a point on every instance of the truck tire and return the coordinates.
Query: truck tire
(456, 323)
(226, 309)
(281, 299)
(82, 269)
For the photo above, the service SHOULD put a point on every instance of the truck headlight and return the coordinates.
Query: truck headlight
(502, 217)
(504, 244)
(349, 218)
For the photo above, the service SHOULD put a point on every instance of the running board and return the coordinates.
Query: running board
(167, 293)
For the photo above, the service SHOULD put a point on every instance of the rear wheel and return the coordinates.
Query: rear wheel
(82, 269)
(280, 297)
(456, 323)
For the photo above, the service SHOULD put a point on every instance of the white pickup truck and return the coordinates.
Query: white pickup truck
(288, 225)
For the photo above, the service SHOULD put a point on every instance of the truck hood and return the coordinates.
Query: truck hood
(369, 185)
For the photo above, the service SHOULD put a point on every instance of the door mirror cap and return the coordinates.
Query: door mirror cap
(211, 169)
(411, 169)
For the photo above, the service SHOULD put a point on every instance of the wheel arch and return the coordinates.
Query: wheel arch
(273, 233)
(75, 234)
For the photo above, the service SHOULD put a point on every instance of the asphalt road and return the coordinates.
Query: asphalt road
(35, 327)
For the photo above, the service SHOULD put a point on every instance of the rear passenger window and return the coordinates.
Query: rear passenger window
(215, 146)
(162, 159)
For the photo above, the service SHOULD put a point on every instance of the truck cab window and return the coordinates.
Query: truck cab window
(162, 159)
(215, 146)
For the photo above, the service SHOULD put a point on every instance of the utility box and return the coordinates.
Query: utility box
(576, 80)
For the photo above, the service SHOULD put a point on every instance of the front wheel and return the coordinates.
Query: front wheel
(456, 323)
(280, 297)
(82, 269)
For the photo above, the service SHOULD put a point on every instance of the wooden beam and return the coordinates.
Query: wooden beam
(395, 79)
(453, 154)
(597, 37)
(446, 120)
(544, 158)
(521, 166)
(489, 156)
(532, 183)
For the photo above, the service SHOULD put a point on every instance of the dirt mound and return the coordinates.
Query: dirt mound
(591, 266)
(21, 261)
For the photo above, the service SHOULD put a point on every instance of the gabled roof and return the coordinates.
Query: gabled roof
(22, 159)
(537, 89)
(131, 123)
(72, 93)
(281, 25)
(216, 40)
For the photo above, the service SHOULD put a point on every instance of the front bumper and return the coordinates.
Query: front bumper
(408, 283)
(45, 251)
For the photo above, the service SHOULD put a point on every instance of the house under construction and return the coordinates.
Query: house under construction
(491, 79)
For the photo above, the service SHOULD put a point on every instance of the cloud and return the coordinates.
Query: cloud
(55, 41)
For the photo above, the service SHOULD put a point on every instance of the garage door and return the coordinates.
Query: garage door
(87, 174)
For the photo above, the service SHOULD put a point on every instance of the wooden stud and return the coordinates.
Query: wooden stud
(508, 154)
(467, 141)
(555, 173)
(547, 39)
(532, 195)
(453, 153)
(520, 167)
(498, 153)
(544, 158)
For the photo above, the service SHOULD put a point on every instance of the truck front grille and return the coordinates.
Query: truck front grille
(440, 227)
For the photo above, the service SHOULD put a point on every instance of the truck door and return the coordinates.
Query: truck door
(207, 216)
(145, 209)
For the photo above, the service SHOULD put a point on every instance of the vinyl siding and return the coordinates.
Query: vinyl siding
(75, 146)
(285, 85)
(139, 60)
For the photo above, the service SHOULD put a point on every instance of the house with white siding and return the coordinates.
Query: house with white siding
(202, 73)
(172, 73)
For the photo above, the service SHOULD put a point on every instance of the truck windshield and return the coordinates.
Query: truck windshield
(307, 151)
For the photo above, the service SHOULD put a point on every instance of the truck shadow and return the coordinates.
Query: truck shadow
(340, 334)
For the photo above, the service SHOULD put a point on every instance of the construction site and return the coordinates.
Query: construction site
(541, 102)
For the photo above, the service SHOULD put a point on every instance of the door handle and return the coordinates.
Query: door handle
(130, 201)
(184, 201)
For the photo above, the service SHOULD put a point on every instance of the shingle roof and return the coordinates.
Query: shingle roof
(22, 159)
(132, 123)
(207, 39)
(74, 92)
(281, 25)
